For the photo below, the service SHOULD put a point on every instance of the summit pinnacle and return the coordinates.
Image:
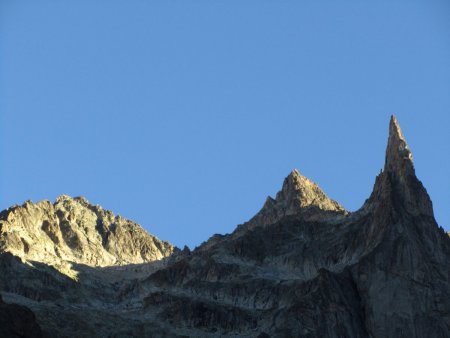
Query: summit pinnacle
(300, 192)
(298, 196)
(398, 155)
(397, 186)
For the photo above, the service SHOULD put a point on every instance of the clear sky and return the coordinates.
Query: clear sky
(184, 115)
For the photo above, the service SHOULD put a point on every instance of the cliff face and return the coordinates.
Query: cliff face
(67, 261)
(73, 231)
(302, 267)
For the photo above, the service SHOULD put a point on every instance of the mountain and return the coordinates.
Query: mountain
(302, 267)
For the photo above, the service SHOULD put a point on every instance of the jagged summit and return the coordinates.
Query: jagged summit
(80, 199)
(298, 196)
(398, 156)
(71, 230)
(397, 186)
(299, 192)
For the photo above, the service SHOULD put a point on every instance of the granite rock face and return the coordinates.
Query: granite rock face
(73, 231)
(65, 261)
(299, 195)
(302, 267)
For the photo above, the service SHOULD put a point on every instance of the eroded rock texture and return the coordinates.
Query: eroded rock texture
(302, 267)
(73, 231)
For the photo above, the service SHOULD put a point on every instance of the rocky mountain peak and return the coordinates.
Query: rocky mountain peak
(299, 196)
(299, 192)
(71, 230)
(398, 156)
(397, 186)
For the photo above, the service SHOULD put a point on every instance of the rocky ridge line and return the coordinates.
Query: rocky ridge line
(74, 231)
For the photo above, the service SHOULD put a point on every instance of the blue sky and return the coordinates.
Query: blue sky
(185, 115)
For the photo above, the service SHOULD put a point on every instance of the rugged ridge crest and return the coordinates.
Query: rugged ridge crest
(72, 230)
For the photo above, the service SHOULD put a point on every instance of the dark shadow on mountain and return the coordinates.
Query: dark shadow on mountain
(18, 321)
(75, 306)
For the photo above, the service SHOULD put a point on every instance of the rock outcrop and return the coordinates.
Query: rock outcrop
(299, 195)
(67, 262)
(73, 231)
(398, 184)
(302, 267)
